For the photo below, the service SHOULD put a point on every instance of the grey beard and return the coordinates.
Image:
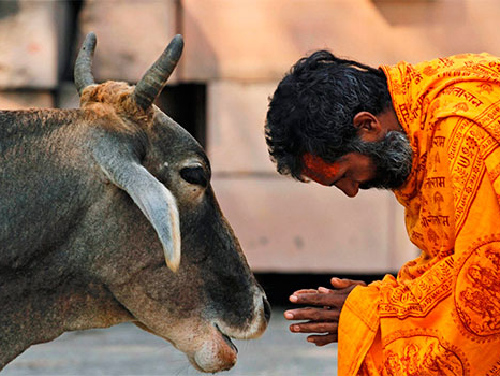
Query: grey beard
(393, 158)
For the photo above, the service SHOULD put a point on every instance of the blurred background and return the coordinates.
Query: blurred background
(236, 51)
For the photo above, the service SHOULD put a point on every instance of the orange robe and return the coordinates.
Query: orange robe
(441, 315)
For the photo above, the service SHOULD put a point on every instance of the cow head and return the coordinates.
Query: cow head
(158, 177)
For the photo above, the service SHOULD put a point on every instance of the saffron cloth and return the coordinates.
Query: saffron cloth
(441, 315)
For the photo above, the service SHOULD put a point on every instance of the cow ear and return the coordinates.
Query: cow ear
(156, 202)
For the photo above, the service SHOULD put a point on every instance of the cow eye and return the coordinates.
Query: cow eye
(195, 175)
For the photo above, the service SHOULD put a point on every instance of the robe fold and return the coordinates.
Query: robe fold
(441, 315)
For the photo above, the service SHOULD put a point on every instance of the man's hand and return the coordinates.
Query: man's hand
(324, 317)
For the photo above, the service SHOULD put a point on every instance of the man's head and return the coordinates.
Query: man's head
(331, 108)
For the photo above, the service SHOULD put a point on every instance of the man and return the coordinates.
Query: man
(431, 133)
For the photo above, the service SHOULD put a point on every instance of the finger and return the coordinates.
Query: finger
(293, 297)
(332, 299)
(313, 314)
(324, 290)
(323, 339)
(305, 291)
(314, 327)
(342, 283)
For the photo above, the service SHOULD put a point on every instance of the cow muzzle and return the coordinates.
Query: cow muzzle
(218, 353)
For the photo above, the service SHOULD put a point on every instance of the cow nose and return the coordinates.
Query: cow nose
(267, 309)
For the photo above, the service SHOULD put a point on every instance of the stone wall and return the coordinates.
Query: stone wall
(240, 49)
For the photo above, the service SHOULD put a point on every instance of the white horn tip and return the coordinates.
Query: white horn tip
(173, 259)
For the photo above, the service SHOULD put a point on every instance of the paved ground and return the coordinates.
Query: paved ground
(125, 350)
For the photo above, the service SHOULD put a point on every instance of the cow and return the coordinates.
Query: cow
(107, 215)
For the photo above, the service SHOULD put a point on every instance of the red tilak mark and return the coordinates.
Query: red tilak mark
(319, 170)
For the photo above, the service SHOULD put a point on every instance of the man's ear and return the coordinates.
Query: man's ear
(368, 127)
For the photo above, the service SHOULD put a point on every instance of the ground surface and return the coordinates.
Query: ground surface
(125, 350)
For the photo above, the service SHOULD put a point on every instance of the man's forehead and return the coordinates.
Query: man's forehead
(319, 170)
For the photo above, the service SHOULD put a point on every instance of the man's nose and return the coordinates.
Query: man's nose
(349, 187)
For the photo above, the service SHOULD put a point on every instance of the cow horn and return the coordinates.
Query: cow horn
(156, 202)
(83, 63)
(151, 84)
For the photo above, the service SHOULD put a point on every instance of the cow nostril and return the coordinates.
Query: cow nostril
(267, 309)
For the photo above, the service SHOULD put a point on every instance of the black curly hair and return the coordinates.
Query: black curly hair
(313, 108)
